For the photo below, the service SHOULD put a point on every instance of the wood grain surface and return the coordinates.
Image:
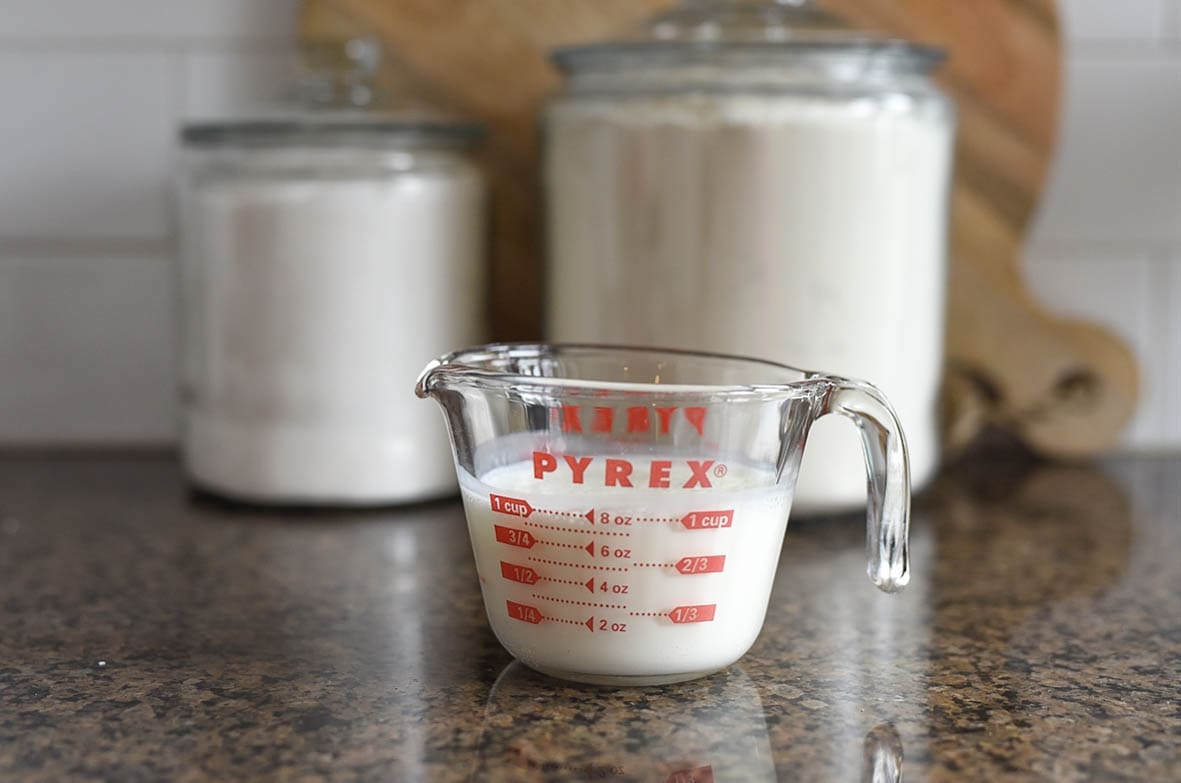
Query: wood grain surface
(1066, 388)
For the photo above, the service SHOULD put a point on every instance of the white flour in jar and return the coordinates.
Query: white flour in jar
(800, 229)
(311, 304)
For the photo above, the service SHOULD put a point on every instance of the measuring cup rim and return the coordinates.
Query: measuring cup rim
(472, 365)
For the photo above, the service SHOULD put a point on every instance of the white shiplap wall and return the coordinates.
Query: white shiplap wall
(94, 90)
(1107, 245)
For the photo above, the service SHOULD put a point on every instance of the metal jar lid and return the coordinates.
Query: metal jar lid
(333, 129)
(747, 32)
(340, 100)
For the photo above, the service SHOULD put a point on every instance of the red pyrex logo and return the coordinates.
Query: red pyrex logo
(640, 418)
(619, 472)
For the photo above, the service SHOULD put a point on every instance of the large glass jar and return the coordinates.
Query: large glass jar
(757, 178)
(327, 255)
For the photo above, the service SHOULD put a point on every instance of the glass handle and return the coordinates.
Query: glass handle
(888, 468)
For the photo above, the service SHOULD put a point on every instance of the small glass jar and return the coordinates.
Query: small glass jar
(756, 178)
(327, 254)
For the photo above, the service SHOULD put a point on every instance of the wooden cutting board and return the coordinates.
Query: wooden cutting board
(1067, 388)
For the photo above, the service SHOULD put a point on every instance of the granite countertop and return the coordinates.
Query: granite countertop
(147, 634)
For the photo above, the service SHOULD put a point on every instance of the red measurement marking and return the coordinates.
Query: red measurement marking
(653, 565)
(512, 506)
(664, 520)
(515, 573)
(560, 529)
(575, 565)
(514, 537)
(559, 544)
(523, 612)
(591, 604)
(708, 520)
(590, 548)
(699, 775)
(701, 565)
(588, 584)
(569, 514)
(588, 624)
(648, 614)
(701, 613)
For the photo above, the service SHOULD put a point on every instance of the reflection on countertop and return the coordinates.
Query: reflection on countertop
(148, 634)
(537, 728)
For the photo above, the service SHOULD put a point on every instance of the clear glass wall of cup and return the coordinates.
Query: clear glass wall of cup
(627, 506)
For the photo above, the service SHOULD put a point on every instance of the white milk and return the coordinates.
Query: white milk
(312, 301)
(804, 229)
(630, 590)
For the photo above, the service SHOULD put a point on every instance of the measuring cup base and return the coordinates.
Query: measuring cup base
(624, 680)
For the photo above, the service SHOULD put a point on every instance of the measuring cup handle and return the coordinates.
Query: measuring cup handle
(888, 469)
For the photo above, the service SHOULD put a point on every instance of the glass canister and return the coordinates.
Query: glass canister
(757, 178)
(327, 253)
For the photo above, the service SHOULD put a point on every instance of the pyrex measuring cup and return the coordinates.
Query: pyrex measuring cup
(627, 506)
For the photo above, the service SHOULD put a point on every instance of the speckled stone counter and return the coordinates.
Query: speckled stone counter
(149, 635)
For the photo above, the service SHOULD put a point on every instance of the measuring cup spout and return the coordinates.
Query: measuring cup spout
(888, 472)
(425, 386)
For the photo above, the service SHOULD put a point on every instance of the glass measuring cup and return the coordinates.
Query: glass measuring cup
(627, 506)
